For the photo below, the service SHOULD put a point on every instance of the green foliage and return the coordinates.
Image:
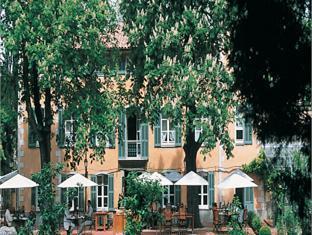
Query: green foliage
(265, 56)
(50, 211)
(288, 222)
(177, 47)
(265, 230)
(250, 216)
(27, 229)
(177, 68)
(256, 223)
(286, 175)
(236, 232)
(233, 224)
(60, 46)
(137, 202)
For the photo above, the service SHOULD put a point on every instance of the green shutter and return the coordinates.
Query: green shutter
(247, 132)
(33, 196)
(61, 130)
(144, 140)
(121, 136)
(81, 199)
(177, 194)
(32, 137)
(110, 191)
(157, 134)
(248, 199)
(178, 137)
(111, 138)
(211, 188)
(63, 190)
(93, 193)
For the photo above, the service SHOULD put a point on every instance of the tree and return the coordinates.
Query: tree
(8, 113)
(60, 47)
(177, 70)
(270, 54)
(286, 175)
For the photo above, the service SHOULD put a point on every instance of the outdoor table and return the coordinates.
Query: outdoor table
(101, 220)
(187, 216)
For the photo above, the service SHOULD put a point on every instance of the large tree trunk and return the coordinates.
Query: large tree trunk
(191, 148)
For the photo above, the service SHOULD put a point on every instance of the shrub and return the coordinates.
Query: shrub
(256, 223)
(139, 196)
(250, 216)
(265, 230)
(236, 232)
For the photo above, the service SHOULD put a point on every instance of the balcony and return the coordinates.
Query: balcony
(133, 157)
(284, 150)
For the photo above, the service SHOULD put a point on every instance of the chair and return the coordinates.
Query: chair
(88, 228)
(216, 220)
(182, 222)
(167, 226)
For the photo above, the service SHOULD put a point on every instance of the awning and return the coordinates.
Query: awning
(4, 178)
(76, 181)
(241, 173)
(173, 176)
(18, 181)
(192, 179)
(155, 177)
(236, 181)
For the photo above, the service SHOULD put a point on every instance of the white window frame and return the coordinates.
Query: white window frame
(68, 134)
(239, 126)
(103, 196)
(199, 130)
(167, 194)
(125, 59)
(97, 141)
(202, 194)
(167, 132)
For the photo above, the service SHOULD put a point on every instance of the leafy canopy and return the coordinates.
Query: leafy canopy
(177, 64)
(61, 46)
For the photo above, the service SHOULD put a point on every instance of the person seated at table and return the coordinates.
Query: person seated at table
(68, 220)
(22, 211)
(214, 206)
(182, 215)
(168, 213)
(88, 218)
(8, 219)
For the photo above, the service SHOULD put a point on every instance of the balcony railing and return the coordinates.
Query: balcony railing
(284, 150)
(133, 149)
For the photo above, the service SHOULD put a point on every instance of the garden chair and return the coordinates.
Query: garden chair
(216, 221)
(167, 226)
(182, 222)
(89, 228)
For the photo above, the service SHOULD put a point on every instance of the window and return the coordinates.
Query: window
(243, 130)
(203, 197)
(167, 131)
(206, 193)
(171, 195)
(123, 65)
(102, 192)
(95, 141)
(199, 127)
(69, 132)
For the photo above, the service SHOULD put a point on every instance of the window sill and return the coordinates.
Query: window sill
(168, 146)
(200, 207)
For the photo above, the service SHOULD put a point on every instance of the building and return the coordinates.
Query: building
(143, 148)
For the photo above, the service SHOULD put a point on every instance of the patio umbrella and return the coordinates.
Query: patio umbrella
(155, 177)
(192, 179)
(173, 176)
(161, 179)
(236, 181)
(239, 172)
(76, 181)
(18, 181)
(4, 178)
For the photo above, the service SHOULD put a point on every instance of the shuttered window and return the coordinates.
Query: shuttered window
(166, 134)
